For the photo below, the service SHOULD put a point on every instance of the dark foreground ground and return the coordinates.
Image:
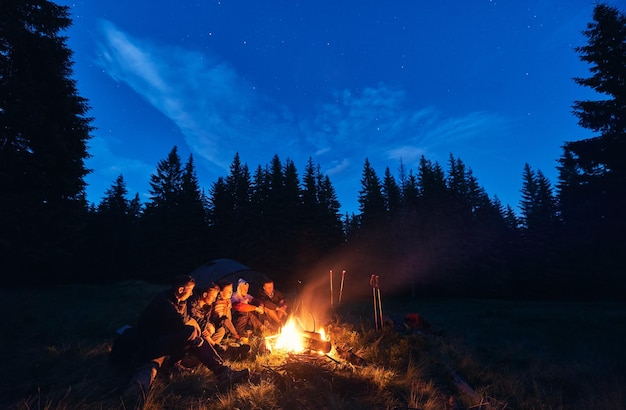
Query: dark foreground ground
(520, 354)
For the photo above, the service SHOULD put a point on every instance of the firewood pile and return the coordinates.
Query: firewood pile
(307, 381)
(301, 370)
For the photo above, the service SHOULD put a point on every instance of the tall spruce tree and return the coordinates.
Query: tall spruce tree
(410, 192)
(309, 190)
(173, 225)
(43, 141)
(219, 206)
(196, 245)
(234, 230)
(529, 201)
(371, 200)
(391, 193)
(431, 181)
(538, 205)
(113, 235)
(331, 228)
(592, 172)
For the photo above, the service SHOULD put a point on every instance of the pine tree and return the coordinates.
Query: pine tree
(530, 193)
(458, 182)
(321, 225)
(330, 220)
(173, 225)
(371, 200)
(220, 205)
(511, 219)
(43, 141)
(431, 181)
(235, 232)
(592, 173)
(391, 193)
(238, 182)
(309, 190)
(195, 244)
(260, 190)
(538, 204)
(166, 184)
(115, 202)
(113, 234)
(410, 192)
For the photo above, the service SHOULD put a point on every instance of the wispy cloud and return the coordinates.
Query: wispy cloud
(219, 113)
(379, 124)
(108, 166)
(212, 105)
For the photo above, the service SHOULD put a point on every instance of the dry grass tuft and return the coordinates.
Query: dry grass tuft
(493, 355)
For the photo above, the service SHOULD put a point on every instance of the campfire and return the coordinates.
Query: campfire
(293, 339)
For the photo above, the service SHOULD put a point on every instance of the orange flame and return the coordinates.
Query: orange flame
(291, 338)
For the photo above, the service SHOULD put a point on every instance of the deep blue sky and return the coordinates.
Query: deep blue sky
(339, 81)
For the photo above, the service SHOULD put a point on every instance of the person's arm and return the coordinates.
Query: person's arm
(220, 317)
(280, 298)
(228, 324)
(208, 332)
(267, 302)
(243, 307)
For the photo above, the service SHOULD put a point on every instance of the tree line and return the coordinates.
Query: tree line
(432, 230)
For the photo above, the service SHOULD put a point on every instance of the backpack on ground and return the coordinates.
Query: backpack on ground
(123, 356)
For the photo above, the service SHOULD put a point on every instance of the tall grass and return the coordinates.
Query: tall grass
(483, 354)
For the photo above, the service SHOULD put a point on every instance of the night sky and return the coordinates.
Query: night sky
(337, 81)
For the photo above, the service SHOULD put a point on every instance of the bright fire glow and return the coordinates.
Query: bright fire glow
(322, 334)
(290, 338)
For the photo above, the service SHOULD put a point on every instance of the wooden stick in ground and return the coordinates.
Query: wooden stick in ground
(373, 285)
(380, 304)
(343, 274)
(331, 289)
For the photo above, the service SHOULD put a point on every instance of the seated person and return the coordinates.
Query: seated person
(165, 329)
(200, 307)
(245, 310)
(274, 304)
(222, 310)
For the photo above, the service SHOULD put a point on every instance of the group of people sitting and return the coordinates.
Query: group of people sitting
(184, 321)
(222, 312)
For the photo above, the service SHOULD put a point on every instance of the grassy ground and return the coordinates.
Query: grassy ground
(503, 354)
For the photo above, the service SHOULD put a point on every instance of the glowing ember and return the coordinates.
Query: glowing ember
(323, 334)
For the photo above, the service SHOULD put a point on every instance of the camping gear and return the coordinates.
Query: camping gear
(343, 275)
(374, 299)
(378, 305)
(227, 270)
(331, 289)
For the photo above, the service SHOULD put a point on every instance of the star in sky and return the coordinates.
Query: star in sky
(490, 82)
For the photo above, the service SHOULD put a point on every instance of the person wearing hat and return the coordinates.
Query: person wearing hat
(245, 310)
(166, 330)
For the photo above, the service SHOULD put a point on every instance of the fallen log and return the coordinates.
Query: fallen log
(315, 342)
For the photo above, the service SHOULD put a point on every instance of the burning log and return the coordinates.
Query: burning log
(347, 354)
(292, 338)
(314, 341)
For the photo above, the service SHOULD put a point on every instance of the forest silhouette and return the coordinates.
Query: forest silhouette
(429, 231)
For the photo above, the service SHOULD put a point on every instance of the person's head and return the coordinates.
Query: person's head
(242, 286)
(226, 290)
(268, 286)
(183, 285)
(209, 294)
